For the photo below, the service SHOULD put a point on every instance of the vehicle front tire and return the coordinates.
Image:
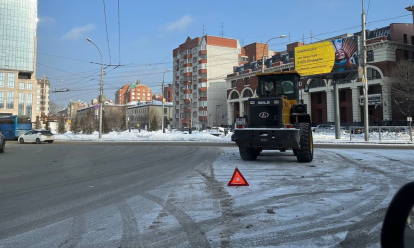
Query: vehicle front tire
(305, 152)
(21, 141)
(38, 141)
(50, 141)
(3, 147)
(248, 154)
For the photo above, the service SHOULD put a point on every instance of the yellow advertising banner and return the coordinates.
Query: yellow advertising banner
(318, 58)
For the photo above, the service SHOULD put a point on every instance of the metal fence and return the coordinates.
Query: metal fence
(382, 132)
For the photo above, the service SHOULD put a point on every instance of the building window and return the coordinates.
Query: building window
(21, 103)
(30, 86)
(10, 80)
(319, 97)
(412, 40)
(10, 100)
(21, 86)
(2, 79)
(405, 54)
(373, 74)
(195, 60)
(247, 81)
(1, 99)
(342, 96)
(370, 56)
(343, 114)
(233, 83)
(195, 69)
(405, 39)
(320, 115)
(165, 110)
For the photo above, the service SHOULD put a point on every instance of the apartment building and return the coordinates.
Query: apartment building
(134, 92)
(43, 95)
(18, 84)
(200, 67)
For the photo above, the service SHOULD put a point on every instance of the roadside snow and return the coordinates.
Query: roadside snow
(135, 135)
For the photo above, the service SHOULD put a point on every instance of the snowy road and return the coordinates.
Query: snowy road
(124, 195)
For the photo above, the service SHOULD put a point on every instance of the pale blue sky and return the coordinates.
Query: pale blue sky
(150, 30)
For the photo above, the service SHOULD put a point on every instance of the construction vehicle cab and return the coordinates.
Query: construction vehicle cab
(275, 119)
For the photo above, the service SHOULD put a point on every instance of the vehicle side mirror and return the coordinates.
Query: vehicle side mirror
(398, 226)
(306, 87)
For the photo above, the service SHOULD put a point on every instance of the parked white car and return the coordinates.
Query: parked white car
(37, 136)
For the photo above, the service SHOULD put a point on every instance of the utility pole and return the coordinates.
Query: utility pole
(364, 77)
(336, 109)
(162, 104)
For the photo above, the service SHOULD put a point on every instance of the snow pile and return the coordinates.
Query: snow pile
(135, 135)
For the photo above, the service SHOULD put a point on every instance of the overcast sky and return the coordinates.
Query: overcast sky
(150, 30)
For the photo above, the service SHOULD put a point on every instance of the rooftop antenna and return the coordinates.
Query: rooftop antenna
(222, 29)
(203, 30)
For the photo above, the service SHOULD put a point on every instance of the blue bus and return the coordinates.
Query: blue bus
(15, 125)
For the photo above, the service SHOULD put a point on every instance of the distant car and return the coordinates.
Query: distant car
(2, 142)
(37, 136)
(324, 128)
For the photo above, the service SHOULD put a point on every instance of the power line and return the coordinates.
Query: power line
(119, 29)
(107, 36)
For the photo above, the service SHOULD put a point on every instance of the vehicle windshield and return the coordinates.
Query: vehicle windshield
(131, 123)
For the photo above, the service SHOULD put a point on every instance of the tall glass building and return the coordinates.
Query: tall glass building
(18, 24)
(19, 90)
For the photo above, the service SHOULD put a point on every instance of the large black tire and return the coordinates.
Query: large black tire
(305, 152)
(21, 141)
(3, 147)
(38, 141)
(248, 154)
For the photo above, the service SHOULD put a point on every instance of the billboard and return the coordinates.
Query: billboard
(338, 55)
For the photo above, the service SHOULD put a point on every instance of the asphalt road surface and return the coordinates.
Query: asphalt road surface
(93, 194)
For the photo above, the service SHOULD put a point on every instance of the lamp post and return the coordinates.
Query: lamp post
(364, 77)
(217, 115)
(100, 91)
(191, 116)
(162, 99)
(263, 57)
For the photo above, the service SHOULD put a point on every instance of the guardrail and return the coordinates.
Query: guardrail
(394, 132)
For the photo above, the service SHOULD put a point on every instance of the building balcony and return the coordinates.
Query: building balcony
(177, 111)
(177, 77)
(202, 89)
(202, 118)
(202, 98)
(202, 71)
(202, 80)
(188, 65)
(187, 110)
(177, 102)
(188, 74)
(202, 52)
(187, 91)
(187, 82)
(188, 56)
(202, 108)
(186, 100)
(202, 61)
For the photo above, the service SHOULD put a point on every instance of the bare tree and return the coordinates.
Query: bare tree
(400, 86)
(115, 118)
(55, 107)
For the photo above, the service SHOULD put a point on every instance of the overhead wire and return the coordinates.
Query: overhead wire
(107, 36)
(119, 35)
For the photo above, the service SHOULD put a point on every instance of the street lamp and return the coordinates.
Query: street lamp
(101, 91)
(162, 99)
(263, 57)
(217, 115)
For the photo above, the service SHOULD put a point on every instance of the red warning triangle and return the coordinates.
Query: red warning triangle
(237, 179)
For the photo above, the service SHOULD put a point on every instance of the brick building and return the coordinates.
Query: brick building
(385, 46)
(134, 92)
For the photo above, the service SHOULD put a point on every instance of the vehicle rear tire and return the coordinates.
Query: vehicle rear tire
(3, 147)
(305, 152)
(248, 154)
(38, 141)
(295, 152)
(50, 141)
(21, 141)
